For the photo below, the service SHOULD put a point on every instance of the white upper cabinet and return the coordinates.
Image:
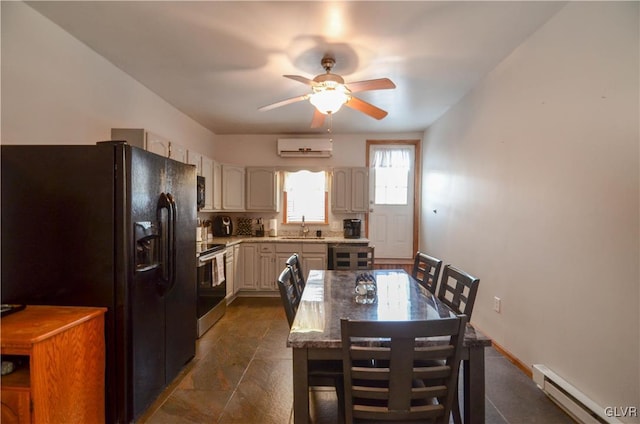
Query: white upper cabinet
(350, 190)
(151, 142)
(195, 158)
(233, 188)
(166, 148)
(262, 189)
(216, 185)
(207, 173)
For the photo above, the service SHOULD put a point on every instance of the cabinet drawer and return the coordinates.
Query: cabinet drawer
(314, 248)
(265, 248)
(288, 247)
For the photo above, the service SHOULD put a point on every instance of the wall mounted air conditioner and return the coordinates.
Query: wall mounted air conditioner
(305, 147)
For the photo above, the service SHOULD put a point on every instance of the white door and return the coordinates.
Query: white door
(391, 199)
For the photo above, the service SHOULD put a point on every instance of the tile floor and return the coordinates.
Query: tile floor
(242, 374)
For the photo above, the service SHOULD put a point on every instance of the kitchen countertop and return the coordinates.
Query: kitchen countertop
(230, 241)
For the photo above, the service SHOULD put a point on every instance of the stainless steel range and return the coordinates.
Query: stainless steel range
(212, 284)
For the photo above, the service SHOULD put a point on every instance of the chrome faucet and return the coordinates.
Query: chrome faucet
(305, 229)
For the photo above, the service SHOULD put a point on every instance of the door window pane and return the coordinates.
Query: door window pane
(391, 170)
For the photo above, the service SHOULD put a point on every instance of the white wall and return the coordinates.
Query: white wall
(535, 179)
(257, 150)
(56, 90)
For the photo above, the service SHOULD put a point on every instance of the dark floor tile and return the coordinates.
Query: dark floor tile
(191, 406)
(242, 373)
(517, 397)
(262, 395)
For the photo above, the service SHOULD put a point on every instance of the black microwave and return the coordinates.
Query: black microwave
(200, 185)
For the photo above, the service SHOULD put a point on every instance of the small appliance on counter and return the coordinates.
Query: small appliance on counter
(222, 226)
(352, 228)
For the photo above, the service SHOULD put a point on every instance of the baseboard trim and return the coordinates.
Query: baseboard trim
(513, 359)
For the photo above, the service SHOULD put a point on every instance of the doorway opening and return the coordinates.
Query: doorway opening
(392, 223)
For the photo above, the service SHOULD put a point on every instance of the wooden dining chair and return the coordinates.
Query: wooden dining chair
(288, 293)
(321, 373)
(298, 274)
(426, 269)
(406, 382)
(458, 290)
(350, 258)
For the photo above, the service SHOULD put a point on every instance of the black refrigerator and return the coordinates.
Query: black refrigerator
(107, 225)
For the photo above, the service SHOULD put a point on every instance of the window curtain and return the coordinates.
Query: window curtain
(391, 157)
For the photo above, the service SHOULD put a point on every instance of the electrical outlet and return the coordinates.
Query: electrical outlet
(496, 304)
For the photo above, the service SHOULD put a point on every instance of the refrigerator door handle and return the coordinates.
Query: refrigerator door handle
(167, 277)
(173, 251)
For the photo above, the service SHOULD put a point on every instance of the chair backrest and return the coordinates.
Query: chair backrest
(401, 381)
(458, 290)
(426, 269)
(288, 293)
(353, 257)
(298, 274)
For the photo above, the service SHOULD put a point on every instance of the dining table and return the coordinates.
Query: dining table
(330, 295)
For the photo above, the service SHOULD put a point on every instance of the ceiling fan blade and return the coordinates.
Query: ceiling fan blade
(318, 119)
(374, 84)
(301, 79)
(284, 102)
(364, 107)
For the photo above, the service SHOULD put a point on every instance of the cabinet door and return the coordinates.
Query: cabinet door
(195, 158)
(267, 260)
(313, 261)
(216, 186)
(262, 189)
(157, 144)
(247, 266)
(207, 173)
(340, 190)
(178, 152)
(359, 190)
(233, 187)
(15, 406)
(230, 273)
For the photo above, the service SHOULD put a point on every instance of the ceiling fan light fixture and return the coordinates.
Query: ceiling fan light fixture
(329, 100)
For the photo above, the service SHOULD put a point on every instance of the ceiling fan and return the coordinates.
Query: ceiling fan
(329, 92)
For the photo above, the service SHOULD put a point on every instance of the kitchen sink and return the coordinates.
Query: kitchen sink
(302, 238)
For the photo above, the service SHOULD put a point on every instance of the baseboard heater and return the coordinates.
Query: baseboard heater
(569, 398)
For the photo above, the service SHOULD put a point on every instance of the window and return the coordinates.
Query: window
(391, 171)
(305, 194)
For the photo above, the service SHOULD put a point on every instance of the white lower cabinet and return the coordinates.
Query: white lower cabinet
(314, 256)
(230, 272)
(267, 265)
(258, 265)
(247, 274)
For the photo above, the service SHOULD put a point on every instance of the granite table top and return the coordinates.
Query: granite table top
(329, 296)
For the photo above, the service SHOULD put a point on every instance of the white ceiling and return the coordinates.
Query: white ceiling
(219, 61)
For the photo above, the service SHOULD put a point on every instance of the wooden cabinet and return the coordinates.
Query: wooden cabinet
(262, 189)
(350, 190)
(233, 188)
(61, 378)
